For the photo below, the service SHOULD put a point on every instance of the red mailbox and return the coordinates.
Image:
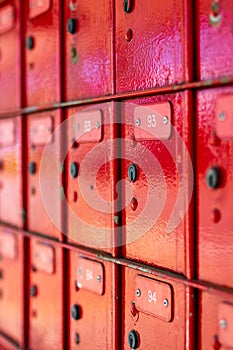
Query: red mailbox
(10, 58)
(158, 181)
(215, 321)
(89, 48)
(11, 196)
(46, 297)
(92, 176)
(42, 47)
(155, 313)
(11, 284)
(214, 34)
(45, 191)
(93, 302)
(153, 46)
(214, 184)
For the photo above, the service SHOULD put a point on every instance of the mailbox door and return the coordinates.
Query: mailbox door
(89, 66)
(153, 46)
(154, 313)
(44, 192)
(42, 52)
(158, 181)
(93, 302)
(215, 321)
(214, 34)
(11, 284)
(11, 193)
(46, 297)
(10, 58)
(214, 184)
(92, 175)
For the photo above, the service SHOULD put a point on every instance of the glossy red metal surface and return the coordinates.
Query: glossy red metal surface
(44, 191)
(10, 57)
(46, 302)
(42, 52)
(97, 323)
(11, 284)
(215, 322)
(158, 51)
(93, 170)
(11, 195)
(215, 242)
(158, 230)
(6, 345)
(153, 332)
(214, 34)
(88, 48)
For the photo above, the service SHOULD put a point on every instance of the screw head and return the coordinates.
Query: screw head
(213, 177)
(128, 35)
(33, 291)
(77, 338)
(223, 324)
(97, 125)
(165, 303)
(165, 120)
(75, 312)
(138, 292)
(99, 278)
(138, 122)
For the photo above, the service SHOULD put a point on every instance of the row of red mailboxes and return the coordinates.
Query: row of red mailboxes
(101, 305)
(68, 50)
(129, 179)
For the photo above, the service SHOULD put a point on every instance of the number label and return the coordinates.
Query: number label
(152, 297)
(151, 121)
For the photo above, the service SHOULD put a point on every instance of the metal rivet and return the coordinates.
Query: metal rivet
(30, 42)
(216, 215)
(223, 324)
(213, 177)
(74, 169)
(77, 338)
(75, 312)
(165, 303)
(132, 172)
(165, 119)
(32, 168)
(79, 271)
(128, 35)
(133, 339)
(72, 25)
(138, 292)
(134, 203)
(97, 125)
(222, 116)
(99, 278)
(33, 291)
(138, 122)
(128, 6)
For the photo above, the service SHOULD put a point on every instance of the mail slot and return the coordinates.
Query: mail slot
(93, 302)
(157, 181)
(46, 296)
(89, 67)
(214, 38)
(157, 305)
(44, 191)
(42, 44)
(215, 320)
(11, 193)
(214, 184)
(11, 284)
(149, 55)
(10, 65)
(92, 175)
